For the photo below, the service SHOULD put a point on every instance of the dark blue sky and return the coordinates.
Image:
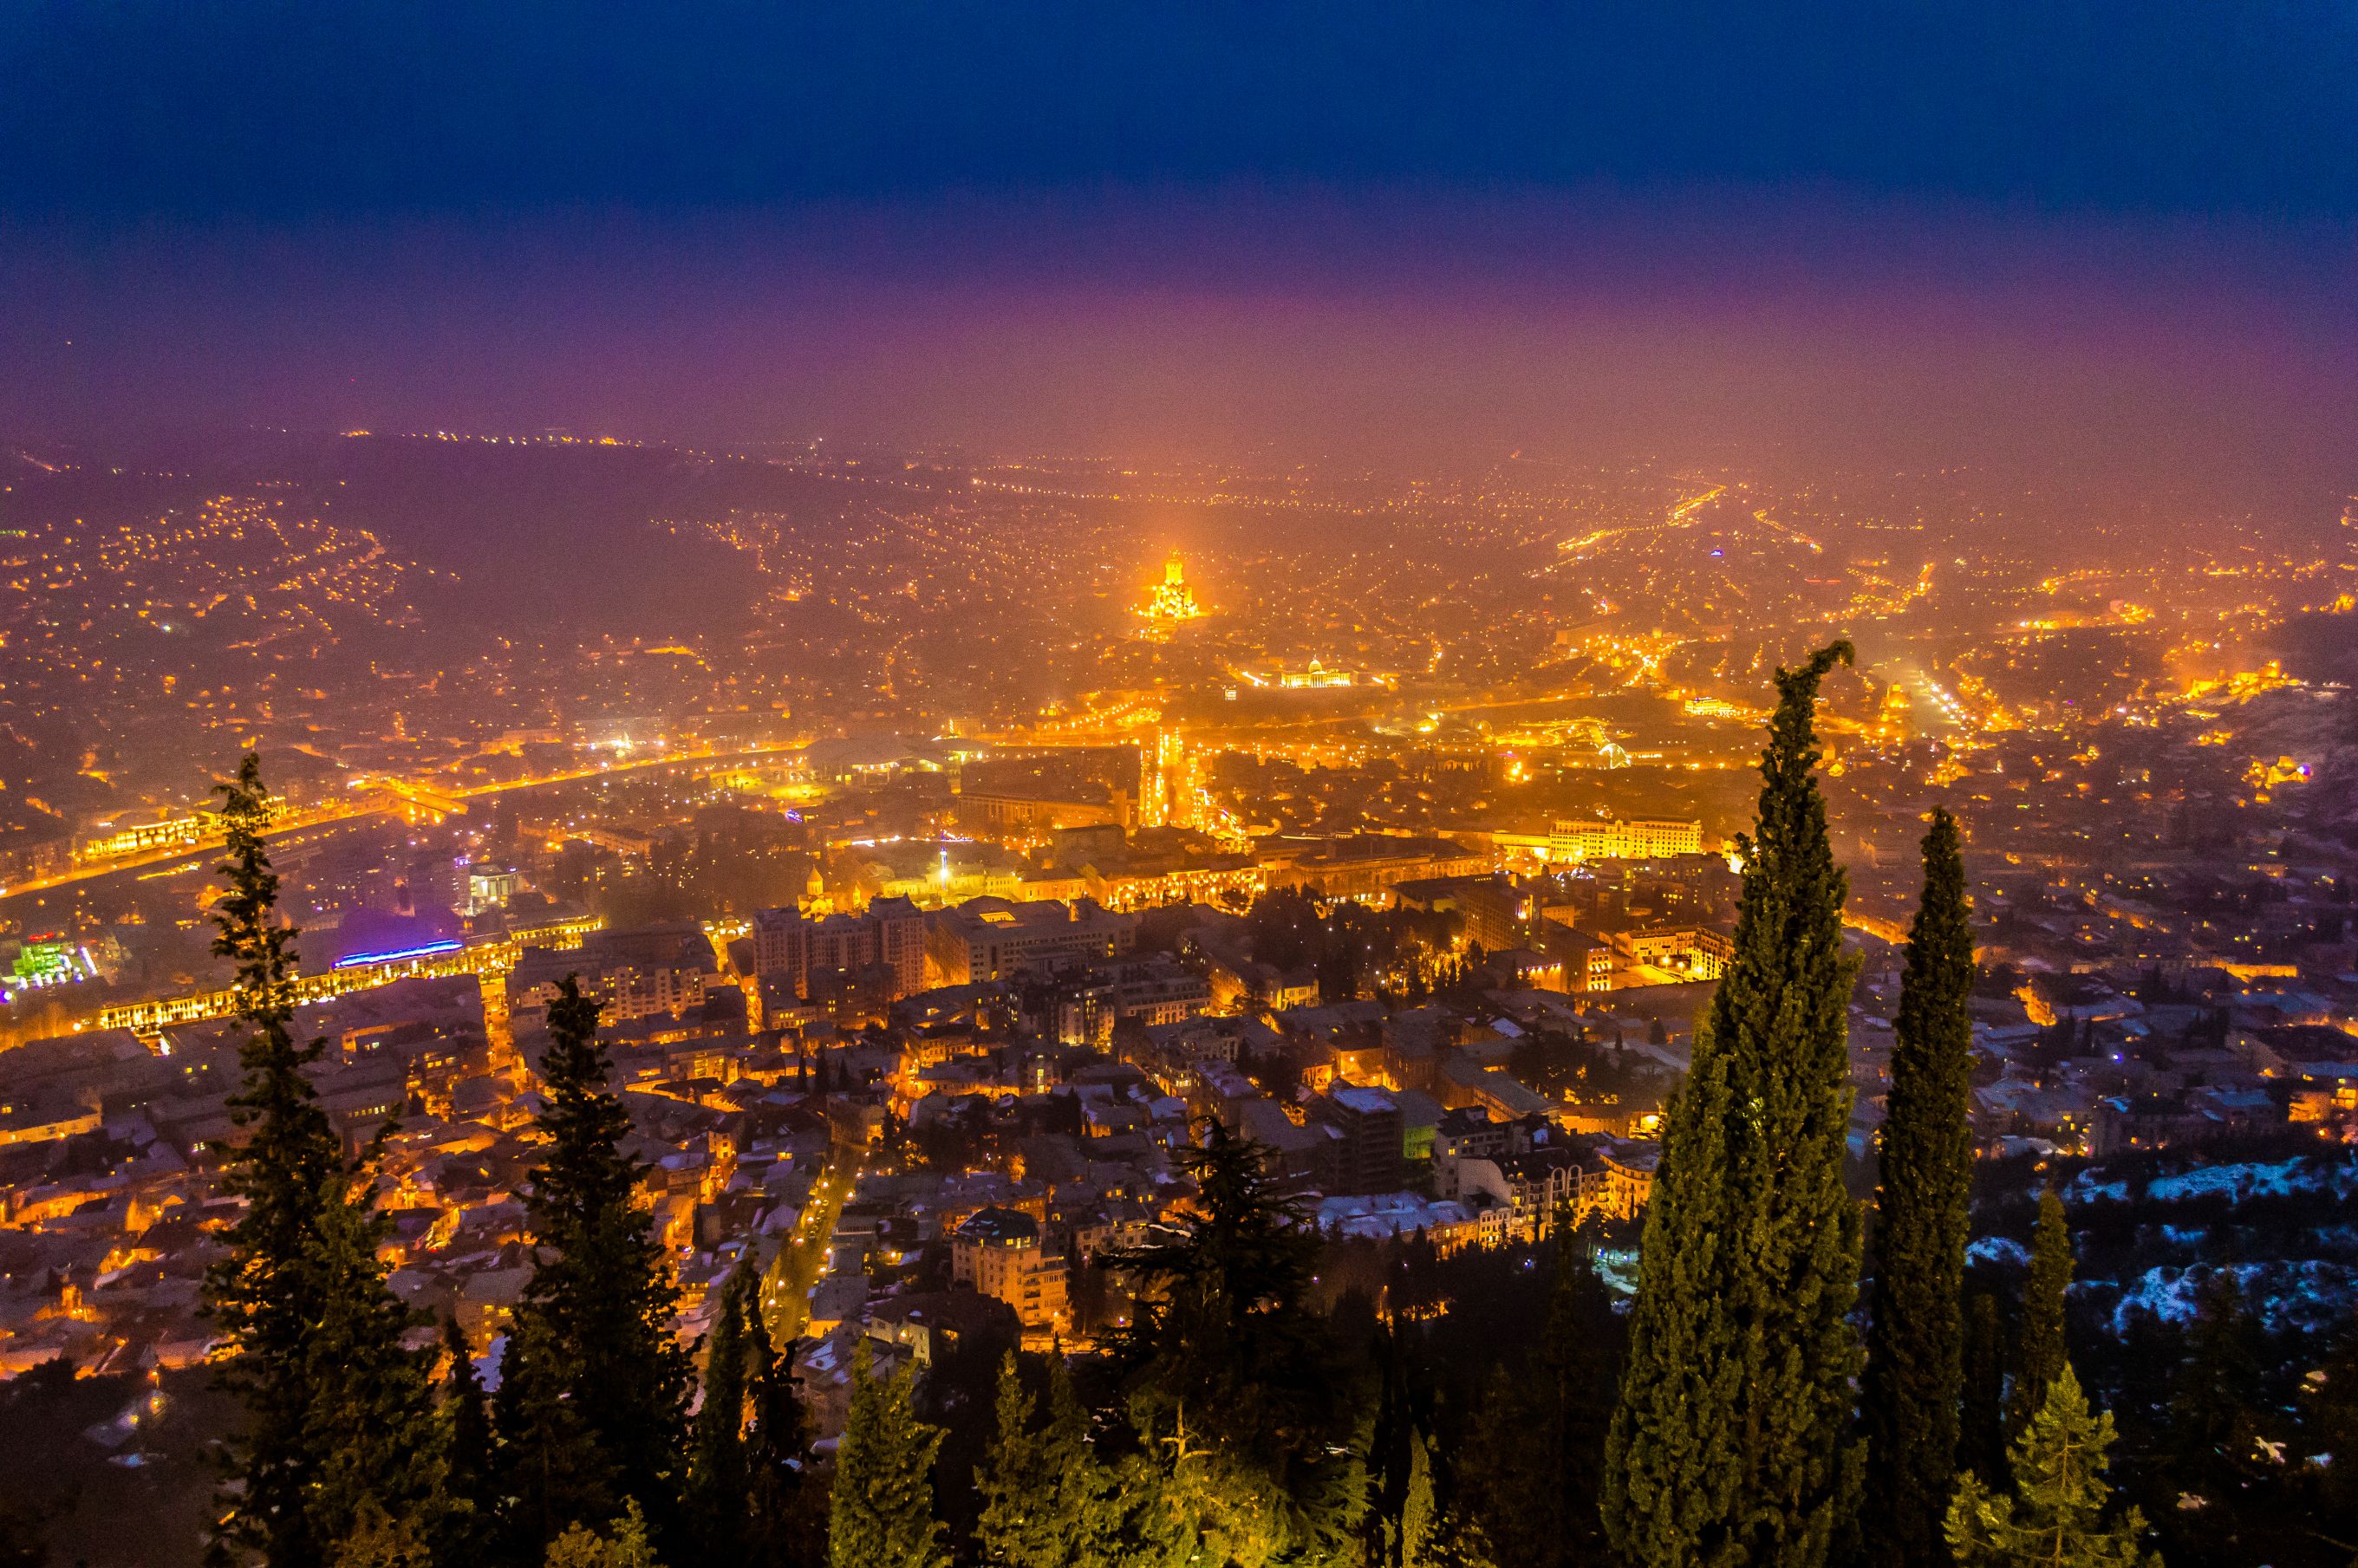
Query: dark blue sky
(1928, 229)
(298, 108)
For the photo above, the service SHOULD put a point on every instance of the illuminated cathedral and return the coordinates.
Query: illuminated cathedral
(1172, 600)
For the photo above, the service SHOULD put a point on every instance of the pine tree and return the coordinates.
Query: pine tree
(1018, 1527)
(774, 1445)
(549, 1469)
(467, 1447)
(1731, 1441)
(2042, 1354)
(1049, 1501)
(1915, 1363)
(882, 1512)
(719, 1483)
(340, 1420)
(594, 1391)
(372, 1430)
(2055, 1517)
(625, 1547)
(1232, 1383)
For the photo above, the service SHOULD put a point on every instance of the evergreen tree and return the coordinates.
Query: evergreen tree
(340, 1430)
(1048, 1501)
(719, 1483)
(1731, 1441)
(1915, 1363)
(882, 1512)
(2042, 1354)
(372, 1430)
(2213, 1429)
(1537, 1450)
(625, 1547)
(774, 1445)
(467, 1448)
(1019, 1526)
(1390, 1458)
(2055, 1517)
(1981, 1437)
(594, 1394)
(548, 1470)
(375, 1540)
(1419, 1516)
(1233, 1385)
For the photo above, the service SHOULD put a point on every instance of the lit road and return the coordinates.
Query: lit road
(390, 796)
(785, 1292)
(1678, 515)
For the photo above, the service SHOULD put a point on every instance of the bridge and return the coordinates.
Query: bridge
(495, 956)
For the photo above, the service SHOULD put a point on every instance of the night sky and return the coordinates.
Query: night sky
(2108, 236)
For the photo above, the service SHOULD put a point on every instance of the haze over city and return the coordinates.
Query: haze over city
(1063, 784)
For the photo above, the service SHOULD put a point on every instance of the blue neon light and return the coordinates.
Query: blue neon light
(426, 950)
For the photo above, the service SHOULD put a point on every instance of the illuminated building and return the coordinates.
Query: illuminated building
(147, 838)
(1365, 865)
(999, 1252)
(991, 938)
(656, 968)
(792, 947)
(491, 888)
(1172, 600)
(1642, 838)
(1895, 720)
(1697, 952)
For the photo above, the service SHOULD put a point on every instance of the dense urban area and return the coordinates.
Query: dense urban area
(1159, 1000)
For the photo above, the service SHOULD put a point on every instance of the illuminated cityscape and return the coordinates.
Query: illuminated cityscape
(1176, 808)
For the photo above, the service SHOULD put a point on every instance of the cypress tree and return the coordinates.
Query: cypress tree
(1731, 1441)
(2042, 1354)
(340, 1438)
(595, 1391)
(2055, 1518)
(1915, 1362)
(881, 1514)
(719, 1483)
